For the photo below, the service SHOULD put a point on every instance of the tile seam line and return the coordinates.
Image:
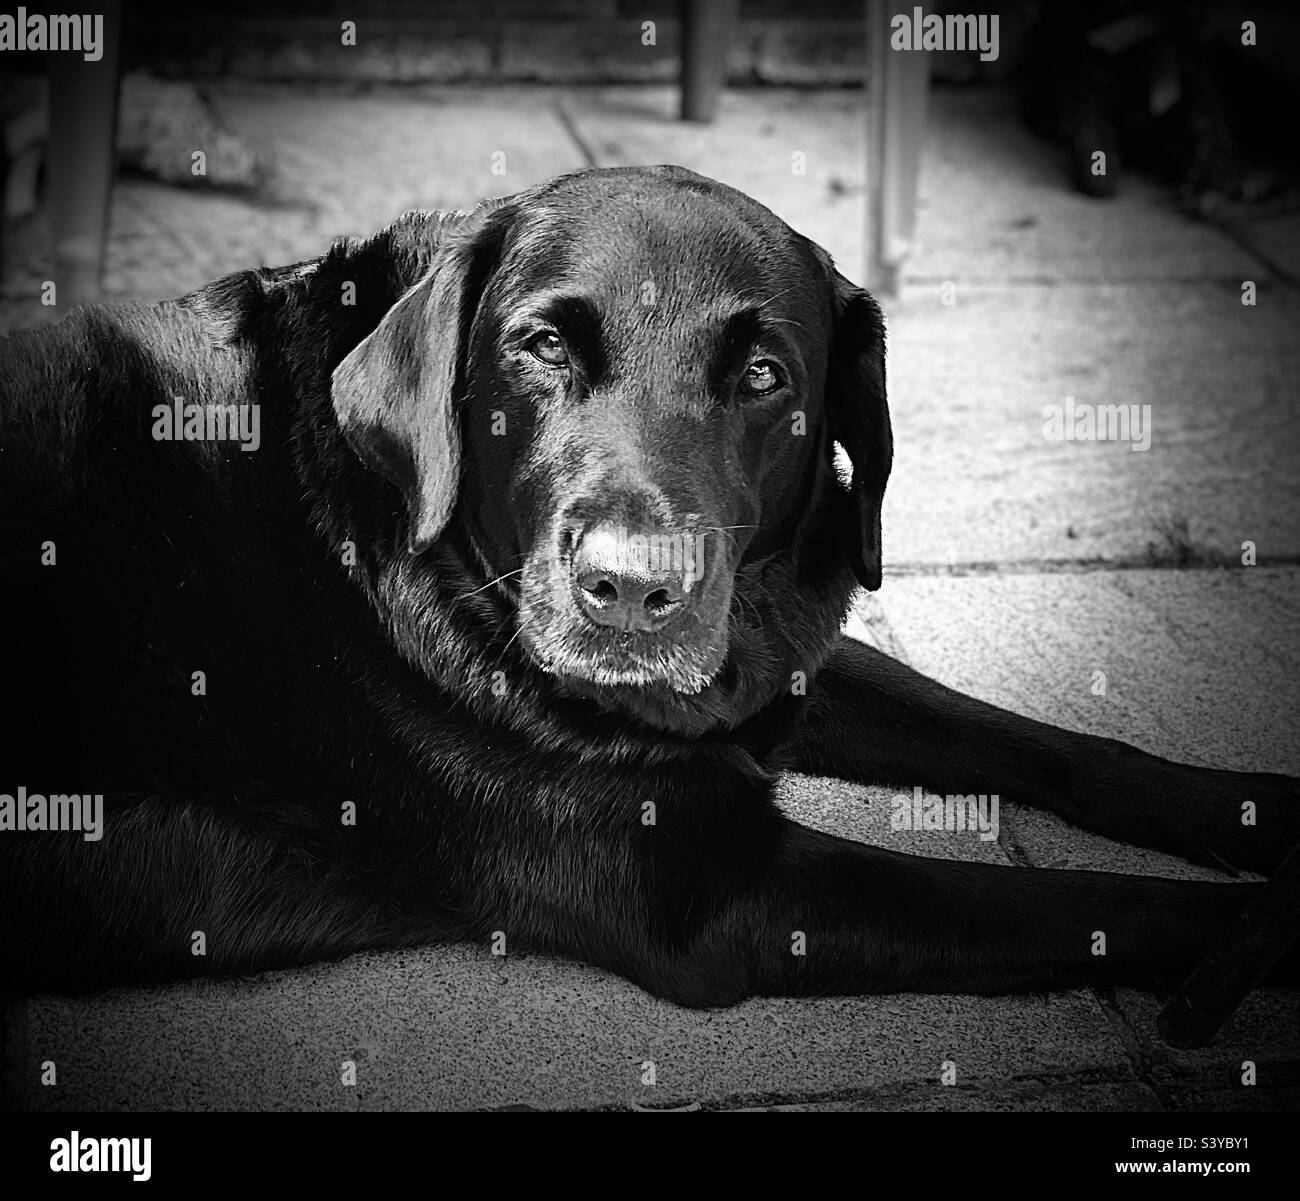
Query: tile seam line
(1005, 567)
(570, 125)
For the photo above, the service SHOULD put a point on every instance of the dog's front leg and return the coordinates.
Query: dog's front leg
(689, 881)
(823, 915)
(872, 719)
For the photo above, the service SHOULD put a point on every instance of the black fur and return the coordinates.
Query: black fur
(352, 591)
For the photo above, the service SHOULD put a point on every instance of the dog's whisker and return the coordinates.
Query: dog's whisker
(505, 649)
(474, 592)
(726, 531)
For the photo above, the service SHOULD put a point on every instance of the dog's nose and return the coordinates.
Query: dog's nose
(632, 580)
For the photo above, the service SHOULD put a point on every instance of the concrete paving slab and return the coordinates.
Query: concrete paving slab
(1274, 238)
(1199, 666)
(1233, 1100)
(1033, 1096)
(799, 153)
(994, 205)
(1264, 1032)
(365, 159)
(863, 813)
(453, 1027)
(343, 164)
(977, 478)
(1202, 666)
(350, 164)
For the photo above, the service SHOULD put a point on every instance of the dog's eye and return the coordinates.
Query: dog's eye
(550, 349)
(760, 378)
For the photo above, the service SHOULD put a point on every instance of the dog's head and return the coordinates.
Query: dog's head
(626, 387)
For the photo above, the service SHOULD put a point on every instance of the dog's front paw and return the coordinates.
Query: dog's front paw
(1244, 820)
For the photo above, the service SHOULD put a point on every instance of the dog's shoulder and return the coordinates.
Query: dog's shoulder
(81, 396)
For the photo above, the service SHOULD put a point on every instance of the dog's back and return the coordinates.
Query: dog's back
(100, 523)
(162, 639)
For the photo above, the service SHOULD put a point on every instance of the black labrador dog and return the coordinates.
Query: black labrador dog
(475, 581)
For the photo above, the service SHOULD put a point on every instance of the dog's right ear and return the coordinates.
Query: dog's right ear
(395, 395)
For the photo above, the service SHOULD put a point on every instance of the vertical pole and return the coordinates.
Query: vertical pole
(707, 27)
(897, 83)
(83, 126)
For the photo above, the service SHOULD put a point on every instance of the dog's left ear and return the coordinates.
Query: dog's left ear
(859, 414)
(394, 395)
